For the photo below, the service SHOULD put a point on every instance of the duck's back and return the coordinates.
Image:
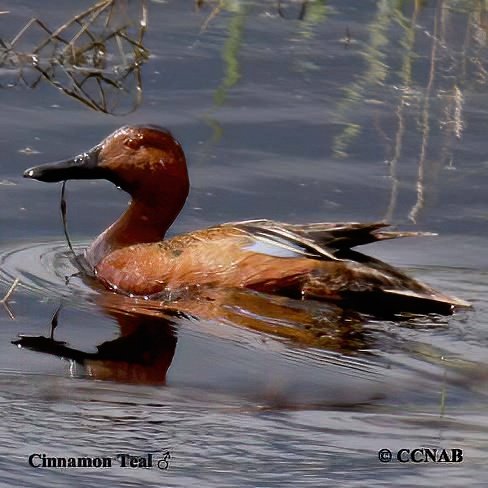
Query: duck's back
(306, 261)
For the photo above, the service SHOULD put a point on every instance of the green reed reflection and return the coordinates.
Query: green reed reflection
(230, 53)
(375, 74)
(423, 77)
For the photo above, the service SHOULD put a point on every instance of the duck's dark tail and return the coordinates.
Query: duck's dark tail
(377, 288)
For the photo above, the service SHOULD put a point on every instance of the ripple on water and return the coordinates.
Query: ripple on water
(416, 348)
(44, 269)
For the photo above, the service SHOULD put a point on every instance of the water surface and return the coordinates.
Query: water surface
(359, 110)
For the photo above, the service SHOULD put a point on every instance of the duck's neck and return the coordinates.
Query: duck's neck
(140, 223)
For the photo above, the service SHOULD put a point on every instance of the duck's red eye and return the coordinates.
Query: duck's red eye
(150, 138)
(133, 142)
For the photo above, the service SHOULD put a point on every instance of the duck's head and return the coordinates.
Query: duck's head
(143, 160)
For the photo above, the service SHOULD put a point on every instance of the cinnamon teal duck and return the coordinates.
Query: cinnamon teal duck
(304, 261)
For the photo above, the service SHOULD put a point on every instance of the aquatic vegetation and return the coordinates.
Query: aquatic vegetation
(94, 56)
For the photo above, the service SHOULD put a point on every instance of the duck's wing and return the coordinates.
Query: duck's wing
(284, 236)
(323, 239)
(349, 276)
(346, 235)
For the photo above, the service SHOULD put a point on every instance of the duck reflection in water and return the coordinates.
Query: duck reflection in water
(308, 262)
(141, 354)
(148, 330)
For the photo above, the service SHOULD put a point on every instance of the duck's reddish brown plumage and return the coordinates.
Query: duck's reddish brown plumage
(211, 257)
(308, 261)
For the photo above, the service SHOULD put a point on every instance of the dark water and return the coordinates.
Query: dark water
(359, 110)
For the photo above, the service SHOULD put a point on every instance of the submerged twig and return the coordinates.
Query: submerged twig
(65, 226)
(54, 321)
(4, 300)
(9, 312)
(10, 290)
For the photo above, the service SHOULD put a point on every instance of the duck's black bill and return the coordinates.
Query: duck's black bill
(82, 167)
